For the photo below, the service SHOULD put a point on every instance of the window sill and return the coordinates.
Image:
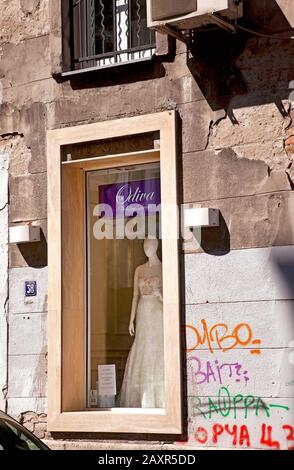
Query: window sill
(104, 67)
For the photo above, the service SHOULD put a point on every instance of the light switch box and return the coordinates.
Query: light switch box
(24, 234)
(201, 217)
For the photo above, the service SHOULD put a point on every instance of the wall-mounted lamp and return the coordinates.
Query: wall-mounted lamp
(24, 234)
(201, 217)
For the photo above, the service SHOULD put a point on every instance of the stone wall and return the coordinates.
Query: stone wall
(234, 96)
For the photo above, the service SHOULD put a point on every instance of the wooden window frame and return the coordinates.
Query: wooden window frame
(66, 312)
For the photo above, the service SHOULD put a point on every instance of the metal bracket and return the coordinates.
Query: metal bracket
(174, 32)
(222, 23)
(178, 34)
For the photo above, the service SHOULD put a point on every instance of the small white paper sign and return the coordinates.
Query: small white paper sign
(107, 380)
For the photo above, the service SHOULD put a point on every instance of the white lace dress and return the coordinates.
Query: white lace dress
(143, 383)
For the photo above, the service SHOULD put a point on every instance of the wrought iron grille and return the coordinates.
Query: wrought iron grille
(109, 32)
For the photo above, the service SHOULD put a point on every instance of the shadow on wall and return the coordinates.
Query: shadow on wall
(35, 254)
(283, 263)
(226, 64)
(216, 240)
(134, 72)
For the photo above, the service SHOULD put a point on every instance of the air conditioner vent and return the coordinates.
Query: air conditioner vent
(190, 14)
(162, 9)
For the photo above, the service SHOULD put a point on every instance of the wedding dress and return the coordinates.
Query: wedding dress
(143, 383)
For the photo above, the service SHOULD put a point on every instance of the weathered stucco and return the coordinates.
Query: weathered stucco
(23, 19)
(235, 98)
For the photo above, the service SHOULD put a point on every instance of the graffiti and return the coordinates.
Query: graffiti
(229, 406)
(207, 372)
(219, 336)
(201, 435)
(244, 438)
(240, 436)
(289, 435)
(266, 437)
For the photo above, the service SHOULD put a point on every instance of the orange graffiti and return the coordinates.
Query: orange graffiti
(218, 336)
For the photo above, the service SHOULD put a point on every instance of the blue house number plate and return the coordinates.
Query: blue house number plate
(30, 288)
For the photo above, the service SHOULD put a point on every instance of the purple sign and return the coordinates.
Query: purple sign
(140, 194)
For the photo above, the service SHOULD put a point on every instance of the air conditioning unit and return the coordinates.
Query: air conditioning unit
(190, 14)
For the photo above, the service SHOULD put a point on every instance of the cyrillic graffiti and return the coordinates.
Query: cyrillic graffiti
(241, 436)
(214, 372)
(219, 336)
(229, 406)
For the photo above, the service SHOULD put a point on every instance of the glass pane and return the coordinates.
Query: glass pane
(125, 305)
(104, 32)
(141, 35)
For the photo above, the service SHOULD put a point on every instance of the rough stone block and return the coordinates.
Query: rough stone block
(256, 124)
(209, 175)
(28, 197)
(178, 68)
(28, 334)
(247, 222)
(54, 444)
(30, 426)
(44, 91)
(18, 303)
(40, 430)
(28, 17)
(20, 154)
(27, 377)
(33, 127)
(104, 103)
(9, 118)
(25, 133)
(164, 44)
(182, 89)
(267, 70)
(273, 153)
(196, 119)
(29, 6)
(26, 53)
(29, 416)
(256, 274)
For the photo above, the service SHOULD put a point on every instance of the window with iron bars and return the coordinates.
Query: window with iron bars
(104, 33)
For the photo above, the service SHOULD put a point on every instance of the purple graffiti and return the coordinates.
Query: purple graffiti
(212, 371)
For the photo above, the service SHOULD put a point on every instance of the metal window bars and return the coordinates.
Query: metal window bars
(109, 32)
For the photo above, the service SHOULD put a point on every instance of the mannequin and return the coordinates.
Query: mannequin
(143, 383)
